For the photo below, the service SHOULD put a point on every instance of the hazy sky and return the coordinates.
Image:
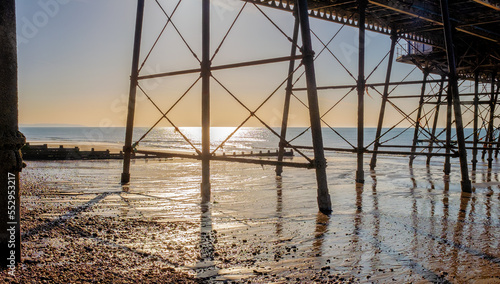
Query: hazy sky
(75, 58)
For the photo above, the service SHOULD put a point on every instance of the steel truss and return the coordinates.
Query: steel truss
(439, 87)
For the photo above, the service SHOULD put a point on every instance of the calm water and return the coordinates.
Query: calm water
(245, 139)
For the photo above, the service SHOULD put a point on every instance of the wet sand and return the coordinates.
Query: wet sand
(402, 226)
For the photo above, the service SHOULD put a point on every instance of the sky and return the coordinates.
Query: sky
(75, 60)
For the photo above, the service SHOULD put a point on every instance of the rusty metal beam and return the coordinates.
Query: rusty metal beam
(476, 118)
(288, 95)
(489, 4)
(436, 117)
(370, 85)
(222, 67)
(323, 196)
(127, 148)
(406, 153)
(429, 16)
(385, 95)
(205, 103)
(360, 176)
(419, 115)
(453, 88)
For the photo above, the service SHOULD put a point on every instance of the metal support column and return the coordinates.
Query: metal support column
(498, 139)
(288, 95)
(324, 202)
(434, 123)
(419, 116)
(450, 52)
(491, 122)
(11, 141)
(360, 176)
(394, 39)
(205, 103)
(476, 113)
(449, 111)
(127, 149)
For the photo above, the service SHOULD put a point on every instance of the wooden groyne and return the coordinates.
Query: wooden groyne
(44, 152)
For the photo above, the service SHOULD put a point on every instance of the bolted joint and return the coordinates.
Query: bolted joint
(306, 54)
(205, 68)
(319, 164)
(361, 86)
(283, 144)
(394, 34)
(206, 73)
(127, 149)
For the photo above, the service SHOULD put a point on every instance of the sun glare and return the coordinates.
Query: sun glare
(217, 134)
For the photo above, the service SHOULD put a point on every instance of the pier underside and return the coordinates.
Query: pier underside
(455, 45)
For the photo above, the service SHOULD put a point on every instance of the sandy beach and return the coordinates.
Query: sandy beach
(403, 226)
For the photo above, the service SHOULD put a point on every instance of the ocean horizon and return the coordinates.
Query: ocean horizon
(245, 139)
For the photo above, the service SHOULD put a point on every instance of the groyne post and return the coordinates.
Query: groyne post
(11, 141)
(127, 148)
(323, 196)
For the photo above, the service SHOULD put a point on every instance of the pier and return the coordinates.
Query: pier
(450, 43)
(406, 220)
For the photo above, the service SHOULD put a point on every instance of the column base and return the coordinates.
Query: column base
(373, 163)
(466, 186)
(325, 204)
(125, 178)
(205, 192)
(411, 161)
(447, 169)
(360, 176)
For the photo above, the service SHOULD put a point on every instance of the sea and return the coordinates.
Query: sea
(242, 139)
(405, 224)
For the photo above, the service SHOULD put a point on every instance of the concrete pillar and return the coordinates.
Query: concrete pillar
(11, 140)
